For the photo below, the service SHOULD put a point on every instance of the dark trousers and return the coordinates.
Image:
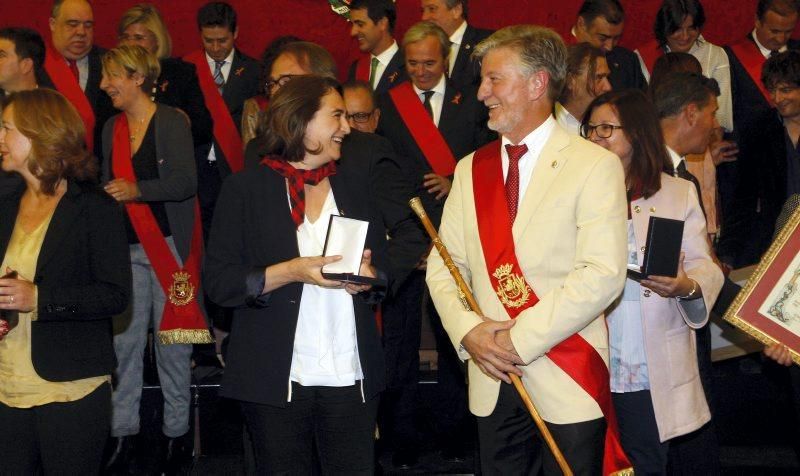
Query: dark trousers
(402, 321)
(510, 443)
(335, 420)
(56, 438)
(638, 433)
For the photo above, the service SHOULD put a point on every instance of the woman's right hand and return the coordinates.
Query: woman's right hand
(779, 353)
(308, 269)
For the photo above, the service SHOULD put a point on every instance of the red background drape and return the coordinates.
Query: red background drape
(262, 20)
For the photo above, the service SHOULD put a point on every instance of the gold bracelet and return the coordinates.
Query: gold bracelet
(691, 293)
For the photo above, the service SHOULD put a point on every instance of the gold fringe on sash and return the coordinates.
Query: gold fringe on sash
(185, 336)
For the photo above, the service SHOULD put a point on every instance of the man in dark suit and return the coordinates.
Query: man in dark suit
(427, 106)
(600, 23)
(235, 78)
(373, 27)
(72, 41)
(21, 61)
(451, 16)
(752, 189)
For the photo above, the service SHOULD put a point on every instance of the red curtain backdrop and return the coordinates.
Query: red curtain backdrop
(262, 20)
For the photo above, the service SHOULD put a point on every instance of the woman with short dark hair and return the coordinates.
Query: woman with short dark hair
(678, 28)
(65, 271)
(304, 359)
(655, 382)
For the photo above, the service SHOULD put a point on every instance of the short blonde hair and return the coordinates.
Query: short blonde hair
(539, 49)
(421, 30)
(57, 135)
(134, 59)
(147, 15)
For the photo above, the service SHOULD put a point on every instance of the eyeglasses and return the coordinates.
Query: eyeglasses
(603, 131)
(273, 84)
(360, 117)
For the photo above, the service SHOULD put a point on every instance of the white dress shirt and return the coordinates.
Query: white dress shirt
(535, 142)
(567, 120)
(437, 100)
(383, 62)
(226, 70)
(676, 159)
(455, 44)
(325, 347)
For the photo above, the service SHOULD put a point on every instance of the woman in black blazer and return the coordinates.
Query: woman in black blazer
(65, 241)
(304, 358)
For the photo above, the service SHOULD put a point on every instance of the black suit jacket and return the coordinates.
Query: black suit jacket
(98, 99)
(752, 189)
(467, 72)
(242, 83)
(253, 229)
(462, 124)
(179, 87)
(626, 71)
(394, 74)
(83, 274)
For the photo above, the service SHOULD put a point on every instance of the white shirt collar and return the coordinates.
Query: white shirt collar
(695, 46)
(385, 57)
(567, 120)
(438, 89)
(765, 51)
(228, 59)
(676, 159)
(535, 139)
(458, 36)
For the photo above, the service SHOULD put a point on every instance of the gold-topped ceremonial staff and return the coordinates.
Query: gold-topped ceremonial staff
(472, 305)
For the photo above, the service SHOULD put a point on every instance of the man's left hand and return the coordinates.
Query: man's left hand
(437, 184)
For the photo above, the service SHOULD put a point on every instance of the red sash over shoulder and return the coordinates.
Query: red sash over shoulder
(362, 68)
(182, 321)
(650, 52)
(66, 83)
(225, 131)
(576, 357)
(423, 130)
(752, 60)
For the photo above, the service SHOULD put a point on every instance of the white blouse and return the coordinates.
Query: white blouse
(325, 346)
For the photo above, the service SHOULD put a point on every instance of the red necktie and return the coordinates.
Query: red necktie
(515, 152)
(73, 66)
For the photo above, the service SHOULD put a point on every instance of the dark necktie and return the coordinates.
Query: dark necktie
(73, 66)
(427, 103)
(683, 173)
(219, 79)
(773, 53)
(515, 152)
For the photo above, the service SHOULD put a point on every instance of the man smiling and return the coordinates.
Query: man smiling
(431, 125)
(373, 26)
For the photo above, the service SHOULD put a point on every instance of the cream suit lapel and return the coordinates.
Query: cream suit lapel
(550, 164)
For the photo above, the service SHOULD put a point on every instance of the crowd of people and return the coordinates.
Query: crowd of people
(192, 197)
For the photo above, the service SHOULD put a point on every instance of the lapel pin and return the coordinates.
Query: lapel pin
(637, 208)
(393, 76)
(467, 46)
(456, 99)
(554, 164)
(652, 209)
(164, 86)
(239, 71)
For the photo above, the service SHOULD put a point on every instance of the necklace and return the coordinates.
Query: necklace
(135, 130)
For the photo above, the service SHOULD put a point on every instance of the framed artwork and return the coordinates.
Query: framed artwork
(768, 307)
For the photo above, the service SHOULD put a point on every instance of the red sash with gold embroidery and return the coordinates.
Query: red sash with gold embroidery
(423, 130)
(66, 83)
(650, 52)
(752, 60)
(362, 68)
(225, 131)
(576, 357)
(182, 321)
